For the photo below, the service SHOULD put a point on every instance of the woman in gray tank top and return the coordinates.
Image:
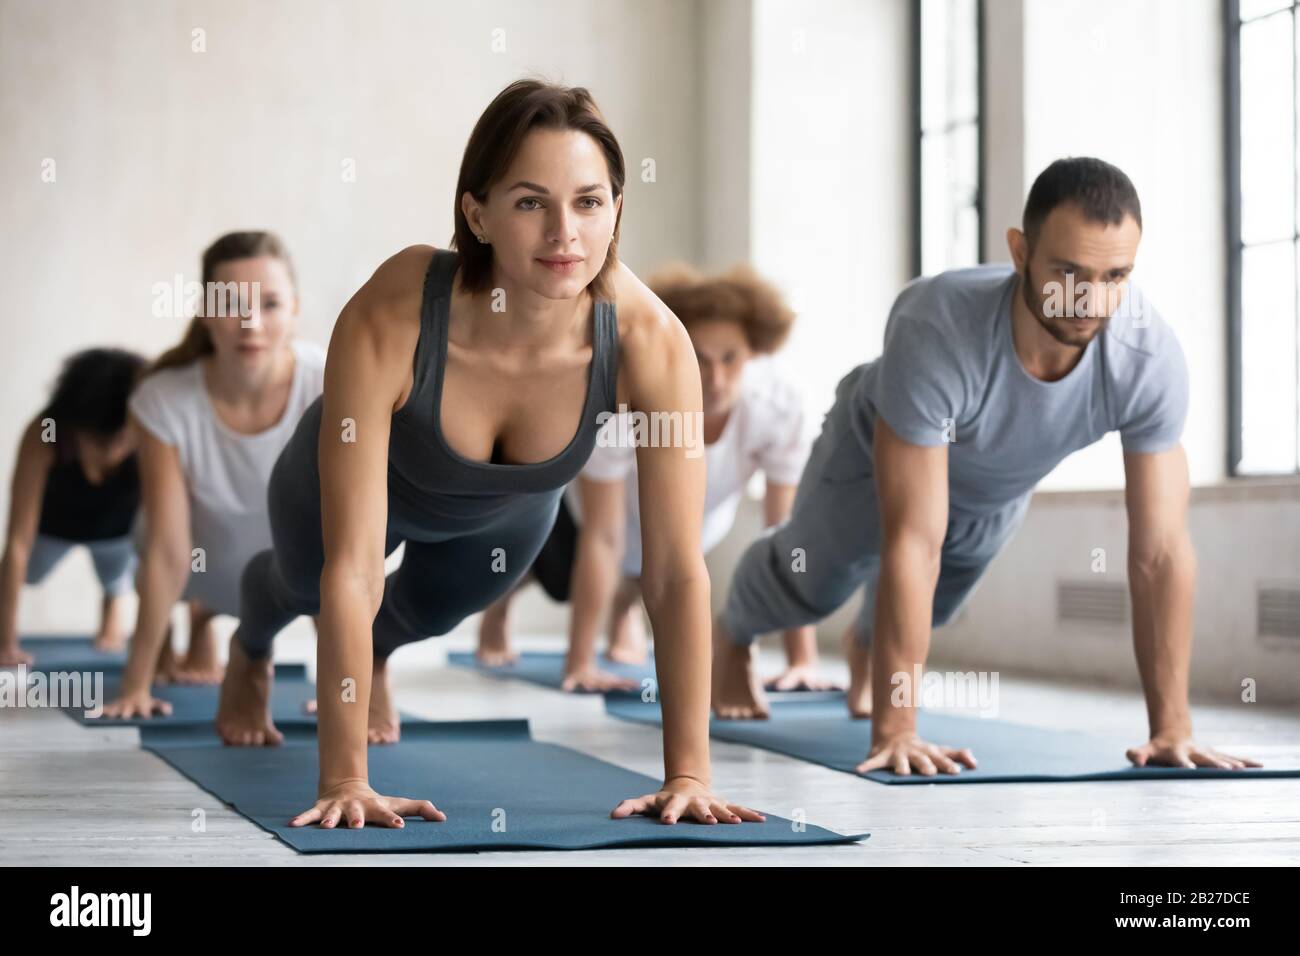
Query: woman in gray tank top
(463, 390)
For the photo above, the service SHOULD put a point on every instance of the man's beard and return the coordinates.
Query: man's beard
(1061, 329)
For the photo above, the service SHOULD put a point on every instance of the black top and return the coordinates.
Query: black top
(76, 510)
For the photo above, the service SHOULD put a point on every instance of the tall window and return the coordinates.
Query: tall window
(947, 122)
(1263, 238)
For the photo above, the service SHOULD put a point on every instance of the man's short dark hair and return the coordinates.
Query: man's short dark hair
(1101, 190)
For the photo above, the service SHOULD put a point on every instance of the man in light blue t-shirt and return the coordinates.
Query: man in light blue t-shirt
(989, 377)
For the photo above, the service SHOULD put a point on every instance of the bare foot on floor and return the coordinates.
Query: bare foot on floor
(737, 693)
(384, 726)
(200, 664)
(494, 639)
(858, 655)
(627, 645)
(244, 714)
(800, 677)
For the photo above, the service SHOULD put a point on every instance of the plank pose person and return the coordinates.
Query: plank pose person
(462, 393)
(754, 421)
(989, 377)
(211, 416)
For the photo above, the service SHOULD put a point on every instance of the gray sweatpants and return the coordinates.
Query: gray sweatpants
(803, 570)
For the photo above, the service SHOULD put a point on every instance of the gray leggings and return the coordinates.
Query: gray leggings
(114, 560)
(443, 578)
(805, 569)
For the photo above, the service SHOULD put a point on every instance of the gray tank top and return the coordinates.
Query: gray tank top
(434, 489)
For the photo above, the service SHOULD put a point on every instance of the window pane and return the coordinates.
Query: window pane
(949, 179)
(1267, 130)
(1258, 8)
(1268, 359)
(949, 62)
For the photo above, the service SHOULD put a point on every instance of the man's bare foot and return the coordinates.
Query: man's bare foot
(111, 635)
(737, 693)
(244, 714)
(627, 643)
(384, 726)
(858, 655)
(494, 635)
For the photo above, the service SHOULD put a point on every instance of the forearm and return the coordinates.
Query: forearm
(679, 615)
(595, 579)
(13, 571)
(161, 581)
(344, 669)
(1162, 587)
(904, 604)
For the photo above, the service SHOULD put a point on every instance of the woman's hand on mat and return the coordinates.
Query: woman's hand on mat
(11, 655)
(800, 677)
(354, 804)
(1177, 750)
(906, 753)
(595, 680)
(138, 704)
(686, 798)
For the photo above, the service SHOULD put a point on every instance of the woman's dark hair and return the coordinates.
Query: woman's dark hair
(90, 394)
(521, 107)
(197, 342)
(1101, 190)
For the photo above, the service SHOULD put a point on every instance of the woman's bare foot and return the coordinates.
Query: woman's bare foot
(200, 664)
(627, 643)
(737, 693)
(11, 655)
(111, 635)
(244, 714)
(494, 635)
(385, 727)
(858, 655)
(801, 663)
(168, 665)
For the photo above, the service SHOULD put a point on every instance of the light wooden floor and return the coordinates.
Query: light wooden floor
(76, 796)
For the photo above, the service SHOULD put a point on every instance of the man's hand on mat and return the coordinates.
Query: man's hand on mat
(800, 677)
(143, 705)
(14, 656)
(1176, 750)
(686, 798)
(354, 804)
(904, 754)
(595, 680)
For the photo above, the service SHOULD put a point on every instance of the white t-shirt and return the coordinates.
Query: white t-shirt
(226, 472)
(767, 430)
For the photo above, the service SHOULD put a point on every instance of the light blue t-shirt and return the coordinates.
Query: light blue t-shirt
(949, 372)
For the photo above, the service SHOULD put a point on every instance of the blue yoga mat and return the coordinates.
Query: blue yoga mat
(74, 652)
(821, 732)
(197, 704)
(500, 789)
(547, 669)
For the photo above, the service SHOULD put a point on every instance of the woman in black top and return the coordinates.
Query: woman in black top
(75, 483)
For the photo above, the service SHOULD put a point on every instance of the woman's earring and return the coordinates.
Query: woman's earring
(482, 238)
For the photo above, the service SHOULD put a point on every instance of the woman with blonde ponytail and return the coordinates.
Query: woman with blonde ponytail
(211, 416)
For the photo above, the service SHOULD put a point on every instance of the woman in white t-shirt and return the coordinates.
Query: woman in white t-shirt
(753, 421)
(212, 415)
